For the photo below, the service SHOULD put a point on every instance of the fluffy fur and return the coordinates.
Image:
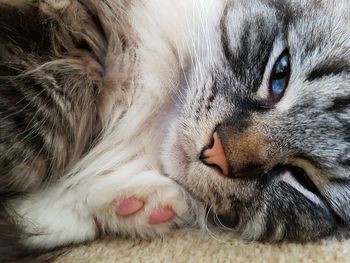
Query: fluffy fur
(288, 158)
(103, 100)
(81, 122)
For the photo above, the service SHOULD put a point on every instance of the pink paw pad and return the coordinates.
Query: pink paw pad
(160, 215)
(129, 206)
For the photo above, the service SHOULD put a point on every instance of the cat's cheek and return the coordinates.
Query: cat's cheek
(174, 159)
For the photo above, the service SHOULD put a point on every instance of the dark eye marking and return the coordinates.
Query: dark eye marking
(329, 68)
(340, 181)
(248, 60)
(340, 104)
(303, 179)
(345, 163)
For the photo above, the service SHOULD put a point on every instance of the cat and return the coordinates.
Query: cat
(133, 117)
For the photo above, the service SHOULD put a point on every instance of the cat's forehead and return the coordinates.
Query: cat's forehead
(265, 19)
(314, 31)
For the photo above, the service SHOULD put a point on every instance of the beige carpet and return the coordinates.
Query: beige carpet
(193, 246)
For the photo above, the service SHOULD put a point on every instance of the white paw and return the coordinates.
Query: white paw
(148, 204)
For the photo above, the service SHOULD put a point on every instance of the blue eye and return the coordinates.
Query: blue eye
(280, 76)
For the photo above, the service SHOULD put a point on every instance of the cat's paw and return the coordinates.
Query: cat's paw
(130, 206)
(149, 207)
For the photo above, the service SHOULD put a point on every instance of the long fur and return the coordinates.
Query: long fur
(85, 84)
(52, 64)
(102, 100)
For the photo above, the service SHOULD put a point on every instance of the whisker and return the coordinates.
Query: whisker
(218, 222)
(208, 230)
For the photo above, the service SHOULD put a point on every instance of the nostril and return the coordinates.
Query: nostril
(214, 155)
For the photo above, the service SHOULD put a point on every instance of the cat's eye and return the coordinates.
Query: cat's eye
(280, 76)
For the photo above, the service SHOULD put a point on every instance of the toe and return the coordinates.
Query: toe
(160, 215)
(129, 206)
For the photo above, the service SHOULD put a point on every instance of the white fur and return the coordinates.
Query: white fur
(125, 163)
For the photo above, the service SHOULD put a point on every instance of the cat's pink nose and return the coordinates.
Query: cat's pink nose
(216, 155)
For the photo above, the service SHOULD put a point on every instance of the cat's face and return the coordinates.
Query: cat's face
(275, 87)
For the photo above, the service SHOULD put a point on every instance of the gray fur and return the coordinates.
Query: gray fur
(55, 72)
(55, 76)
(262, 198)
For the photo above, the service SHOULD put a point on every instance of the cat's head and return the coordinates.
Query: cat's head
(273, 89)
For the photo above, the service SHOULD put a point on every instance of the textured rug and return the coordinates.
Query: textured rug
(197, 247)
